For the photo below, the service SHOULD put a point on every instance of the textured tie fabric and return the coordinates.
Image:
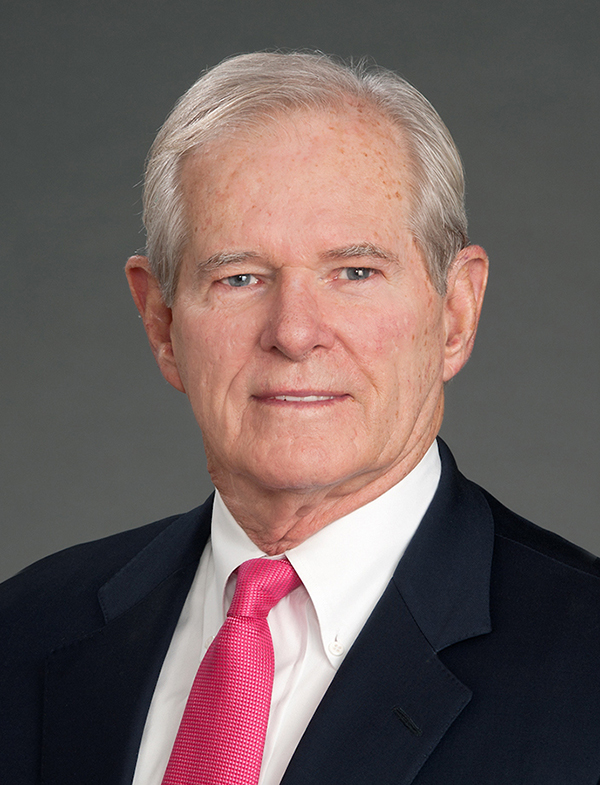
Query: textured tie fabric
(222, 733)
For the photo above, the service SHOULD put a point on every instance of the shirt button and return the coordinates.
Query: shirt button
(336, 648)
(208, 641)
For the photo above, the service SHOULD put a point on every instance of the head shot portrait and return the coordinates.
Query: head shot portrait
(308, 404)
(347, 605)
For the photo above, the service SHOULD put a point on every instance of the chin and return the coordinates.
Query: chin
(301, 473)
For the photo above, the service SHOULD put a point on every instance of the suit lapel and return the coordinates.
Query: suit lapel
(444, 576)
(98, 689)
(392, 700)
(386, 709)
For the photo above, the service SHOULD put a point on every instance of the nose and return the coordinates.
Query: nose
(296, 323)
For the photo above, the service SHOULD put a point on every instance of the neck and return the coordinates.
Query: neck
(277, 520)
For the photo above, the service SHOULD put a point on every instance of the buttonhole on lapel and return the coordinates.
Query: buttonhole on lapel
(410, 724)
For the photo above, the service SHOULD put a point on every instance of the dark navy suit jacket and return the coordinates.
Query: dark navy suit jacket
(479, 665)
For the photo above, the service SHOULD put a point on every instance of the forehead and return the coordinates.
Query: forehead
(325, 163)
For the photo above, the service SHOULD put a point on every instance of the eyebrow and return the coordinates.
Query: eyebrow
(361, 250)
(356, 251)
(223, 259)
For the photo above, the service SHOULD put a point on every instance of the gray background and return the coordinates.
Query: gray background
(93, 440)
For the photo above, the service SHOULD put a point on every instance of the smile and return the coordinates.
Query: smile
(304, 398)
(301, 397)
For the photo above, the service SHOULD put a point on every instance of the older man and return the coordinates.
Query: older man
(310, 288)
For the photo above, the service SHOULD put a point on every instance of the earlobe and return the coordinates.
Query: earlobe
(157, 317)
(467, 279)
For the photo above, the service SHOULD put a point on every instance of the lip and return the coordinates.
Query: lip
(300, 397)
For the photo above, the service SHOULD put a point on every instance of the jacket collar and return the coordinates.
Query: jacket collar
(444, 575)
(178, 545)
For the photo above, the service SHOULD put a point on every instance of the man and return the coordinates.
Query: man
(310, 288)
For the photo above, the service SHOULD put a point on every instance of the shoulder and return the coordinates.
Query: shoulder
(540, 545)
(544, 587)
(87, 564)
(56, 598)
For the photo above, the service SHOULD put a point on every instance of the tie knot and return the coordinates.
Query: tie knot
(261, 583)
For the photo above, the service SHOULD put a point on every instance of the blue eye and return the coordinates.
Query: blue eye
(243, 279)
(357, 273)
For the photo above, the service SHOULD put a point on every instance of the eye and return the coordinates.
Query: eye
(356, 273)
(241, 280)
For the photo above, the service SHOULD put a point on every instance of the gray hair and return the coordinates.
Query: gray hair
(246, 91)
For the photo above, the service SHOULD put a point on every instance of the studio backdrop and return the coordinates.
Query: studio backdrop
(93, 439)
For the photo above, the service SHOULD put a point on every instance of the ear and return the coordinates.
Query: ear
(467, 279)
(157, 317)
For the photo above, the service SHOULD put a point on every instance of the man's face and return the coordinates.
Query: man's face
(305, 329)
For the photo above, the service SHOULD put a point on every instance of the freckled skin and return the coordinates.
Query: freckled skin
(379, 347)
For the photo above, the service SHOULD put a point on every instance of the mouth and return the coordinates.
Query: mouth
(301, 397)
(304, 398)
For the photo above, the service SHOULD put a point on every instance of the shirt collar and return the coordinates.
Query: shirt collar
(345, 566)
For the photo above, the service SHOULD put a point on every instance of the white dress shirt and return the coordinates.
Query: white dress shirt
(344, 569)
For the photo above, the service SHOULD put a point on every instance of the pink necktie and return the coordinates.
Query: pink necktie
(222, 733)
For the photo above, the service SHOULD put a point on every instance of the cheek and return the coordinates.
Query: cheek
(195, 351)
(393, 330)
(210, 352)
(409, 349)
